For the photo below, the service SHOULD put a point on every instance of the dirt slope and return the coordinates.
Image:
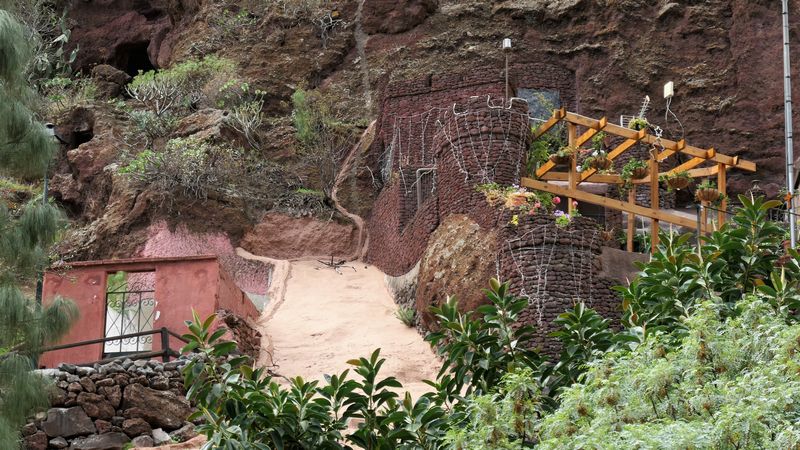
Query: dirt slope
(326, 319)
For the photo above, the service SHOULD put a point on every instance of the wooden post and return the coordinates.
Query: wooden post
(721, 187)
(703, 216)
(653, 200)
(631, 218)
(573, 172)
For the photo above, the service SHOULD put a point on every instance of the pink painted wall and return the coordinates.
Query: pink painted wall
(182, 284)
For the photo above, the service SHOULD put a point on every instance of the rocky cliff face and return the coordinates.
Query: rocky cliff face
(724, 57)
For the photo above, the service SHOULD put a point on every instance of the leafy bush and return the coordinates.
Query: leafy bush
(165, 90)
(740, 257)
(192, 165)
(727, 384)
(324, 136)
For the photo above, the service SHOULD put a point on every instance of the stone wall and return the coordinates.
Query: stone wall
(108, 406)
(555, 268)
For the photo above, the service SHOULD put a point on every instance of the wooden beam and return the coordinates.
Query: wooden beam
(572, 131)
(631, 219)
(653, 202)
(692, 163)
(591, 132)
(618, 150)
(597, 178)
(693, 173)
(610, 203)
(666, 143)
(558, 114)
(722, 186)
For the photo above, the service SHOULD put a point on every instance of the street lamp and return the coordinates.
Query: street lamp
(51, 130)
(787, 113)
(506, 51)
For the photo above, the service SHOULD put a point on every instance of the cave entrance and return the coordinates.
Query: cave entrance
(132, 58)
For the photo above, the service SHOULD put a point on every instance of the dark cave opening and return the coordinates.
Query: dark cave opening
(132, 58)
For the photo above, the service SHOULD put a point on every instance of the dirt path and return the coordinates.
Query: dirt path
(326, 319)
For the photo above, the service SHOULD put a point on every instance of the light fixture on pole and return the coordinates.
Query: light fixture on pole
(506, 51)
(787, 112)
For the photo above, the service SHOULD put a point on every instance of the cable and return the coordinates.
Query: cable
(666, 118)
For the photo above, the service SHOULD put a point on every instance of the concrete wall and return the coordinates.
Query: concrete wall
(182, 284)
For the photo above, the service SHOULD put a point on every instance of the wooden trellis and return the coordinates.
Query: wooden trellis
(662, 148)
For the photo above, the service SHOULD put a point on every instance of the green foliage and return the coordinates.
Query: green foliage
(727, 384)
(406, 314)
(179, 87)
(540, 149)
(638, 123)
(478, 352)
(634, 165)
(192, 165)
(324, 135)
(64, 93)
(739, 258)
(598, 141)
(584, 336)
(504, 419)
(25, 238)
(245, 408)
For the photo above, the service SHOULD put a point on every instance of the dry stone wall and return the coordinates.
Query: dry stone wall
(142, 403)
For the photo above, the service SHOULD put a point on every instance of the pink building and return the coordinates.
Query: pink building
(128, 296)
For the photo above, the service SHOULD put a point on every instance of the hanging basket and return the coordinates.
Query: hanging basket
(600, 163)
(559, 160)
(639, 173)
(707, 195)
(679, 183)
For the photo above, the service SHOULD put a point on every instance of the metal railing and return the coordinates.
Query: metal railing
(165, 353)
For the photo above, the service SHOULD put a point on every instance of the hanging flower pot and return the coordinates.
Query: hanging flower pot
(707, 195)
(600, 163)
(559, 160)
(639, 173)
(678, 183)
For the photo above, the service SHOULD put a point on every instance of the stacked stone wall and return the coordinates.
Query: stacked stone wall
(555, 268)
(108, 406)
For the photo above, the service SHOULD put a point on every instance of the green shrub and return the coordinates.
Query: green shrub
(191, 165)
(727, 384)
(406, 314)
(181, 86)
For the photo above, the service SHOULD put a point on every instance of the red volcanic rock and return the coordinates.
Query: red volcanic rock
(395, 16)
(460, 257)
(285, 237)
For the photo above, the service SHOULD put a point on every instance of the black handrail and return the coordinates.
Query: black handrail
(166, 352)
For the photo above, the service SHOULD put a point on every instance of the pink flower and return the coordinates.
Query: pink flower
(556, 200)
(537, 205)
(574, 203)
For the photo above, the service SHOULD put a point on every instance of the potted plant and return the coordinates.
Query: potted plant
(563, 155)
(676, 181)
(598, 160)
(707, 192)
(635, 169)
(638, 123)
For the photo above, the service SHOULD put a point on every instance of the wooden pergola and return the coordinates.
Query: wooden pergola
(662, 149)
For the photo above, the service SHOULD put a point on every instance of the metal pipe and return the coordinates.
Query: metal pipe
(787, 95)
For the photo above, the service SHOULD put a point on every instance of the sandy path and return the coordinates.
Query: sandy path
(326, 319)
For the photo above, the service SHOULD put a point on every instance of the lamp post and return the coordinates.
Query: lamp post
(506, 51)
(51, 130)
(787, 113)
